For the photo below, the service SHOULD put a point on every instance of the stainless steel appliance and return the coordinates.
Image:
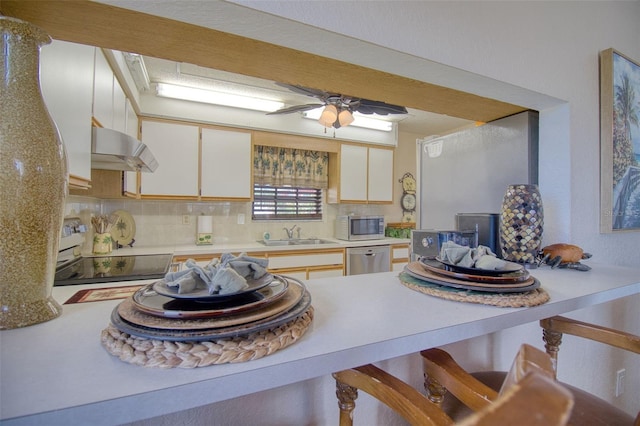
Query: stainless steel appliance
(366, 260)
(73, 269)
(427, 242)
(469, 171)
(357, 228)
(113, 150)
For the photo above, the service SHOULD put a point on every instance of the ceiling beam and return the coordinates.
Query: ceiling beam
(110, 27)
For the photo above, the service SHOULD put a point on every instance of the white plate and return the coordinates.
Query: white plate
(124, 230)
(508, 268)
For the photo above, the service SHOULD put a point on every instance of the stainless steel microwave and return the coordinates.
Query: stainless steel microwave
(354, 228)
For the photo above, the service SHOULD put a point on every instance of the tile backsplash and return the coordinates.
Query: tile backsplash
(173, 223)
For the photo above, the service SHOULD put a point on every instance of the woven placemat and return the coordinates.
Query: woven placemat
(167, 354)
(505, 300)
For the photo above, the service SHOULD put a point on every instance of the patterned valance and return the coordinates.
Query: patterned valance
(289, 166)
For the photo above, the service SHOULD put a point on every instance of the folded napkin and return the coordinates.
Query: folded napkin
(226, 275)
(480, 257)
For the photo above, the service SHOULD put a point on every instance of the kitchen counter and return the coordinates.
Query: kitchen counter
(248, 246)
(58, 372)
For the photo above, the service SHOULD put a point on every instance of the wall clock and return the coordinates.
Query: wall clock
(408, 198)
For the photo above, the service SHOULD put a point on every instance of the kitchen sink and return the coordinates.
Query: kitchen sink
(312, 241)
(295, 242)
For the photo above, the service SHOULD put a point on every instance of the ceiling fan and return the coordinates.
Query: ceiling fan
(338, 108)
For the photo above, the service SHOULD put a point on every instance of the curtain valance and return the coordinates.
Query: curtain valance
(290, 166)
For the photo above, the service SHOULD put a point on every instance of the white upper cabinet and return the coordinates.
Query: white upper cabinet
(119, 108)
(226, 164)
(66, 75)
(103, 91)
(366, 174)
(175, 147)
(131, 128)
(380, 175)
(353, 173)
(196, 162)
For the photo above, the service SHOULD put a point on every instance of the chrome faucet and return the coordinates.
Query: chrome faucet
(289, 231)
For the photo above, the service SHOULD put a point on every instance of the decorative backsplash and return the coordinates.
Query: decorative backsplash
(173, 223)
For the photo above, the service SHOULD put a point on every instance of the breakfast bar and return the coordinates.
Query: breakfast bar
(58, 373)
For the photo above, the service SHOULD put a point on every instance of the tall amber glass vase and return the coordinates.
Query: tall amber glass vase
(33, 181)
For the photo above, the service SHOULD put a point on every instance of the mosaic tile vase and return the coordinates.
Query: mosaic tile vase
(521, 224)
(33, 181)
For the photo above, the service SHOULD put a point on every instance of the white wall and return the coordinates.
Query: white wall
(543, 55)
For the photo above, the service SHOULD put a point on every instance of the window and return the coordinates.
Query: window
(286, 202)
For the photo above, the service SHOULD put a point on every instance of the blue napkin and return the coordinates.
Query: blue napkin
(226, 275)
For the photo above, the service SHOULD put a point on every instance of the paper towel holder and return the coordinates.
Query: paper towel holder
(204, 230)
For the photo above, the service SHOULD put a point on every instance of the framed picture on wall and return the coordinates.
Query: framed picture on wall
(619, 142)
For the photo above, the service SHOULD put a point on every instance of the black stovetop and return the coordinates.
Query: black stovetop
(88, 270)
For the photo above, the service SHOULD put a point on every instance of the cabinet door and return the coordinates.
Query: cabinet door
(175, 147)
(225, 164)
(353, 173)
(131, 128)
(103, 91)
(325, 273)
(119, 108)
(67, 68)
(380, 175)
(400, 254)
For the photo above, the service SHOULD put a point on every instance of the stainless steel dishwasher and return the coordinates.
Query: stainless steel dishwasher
(365, 260)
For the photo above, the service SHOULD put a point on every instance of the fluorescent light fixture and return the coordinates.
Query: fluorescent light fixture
(138, 70)
(359, 120)
(217, 98)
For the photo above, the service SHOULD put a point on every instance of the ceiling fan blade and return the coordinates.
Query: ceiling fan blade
(304, 90)
(295, 108)
(381, 108)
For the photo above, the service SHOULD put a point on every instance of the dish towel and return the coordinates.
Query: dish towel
(481, 257)
(226, 275)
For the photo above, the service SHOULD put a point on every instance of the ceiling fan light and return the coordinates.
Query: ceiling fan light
(345, 117)
(329, 116)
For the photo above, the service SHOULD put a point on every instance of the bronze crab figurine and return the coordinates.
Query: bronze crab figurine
(563, 255)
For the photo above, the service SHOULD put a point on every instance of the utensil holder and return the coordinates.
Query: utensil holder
(102, 243)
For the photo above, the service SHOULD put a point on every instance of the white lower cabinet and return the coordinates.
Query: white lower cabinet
(400, 256)
(302, 264)
(325, 273)
(306, 264)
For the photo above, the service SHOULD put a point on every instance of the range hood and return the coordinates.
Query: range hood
(113, 150)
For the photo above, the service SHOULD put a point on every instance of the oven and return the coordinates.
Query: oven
(74, 269)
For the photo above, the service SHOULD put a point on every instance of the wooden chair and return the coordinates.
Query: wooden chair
(530, 385)
(480, 390)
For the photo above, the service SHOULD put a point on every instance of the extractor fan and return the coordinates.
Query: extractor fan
(338, 108)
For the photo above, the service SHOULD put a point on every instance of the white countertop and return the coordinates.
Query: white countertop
(58, 372)
(248, 246)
